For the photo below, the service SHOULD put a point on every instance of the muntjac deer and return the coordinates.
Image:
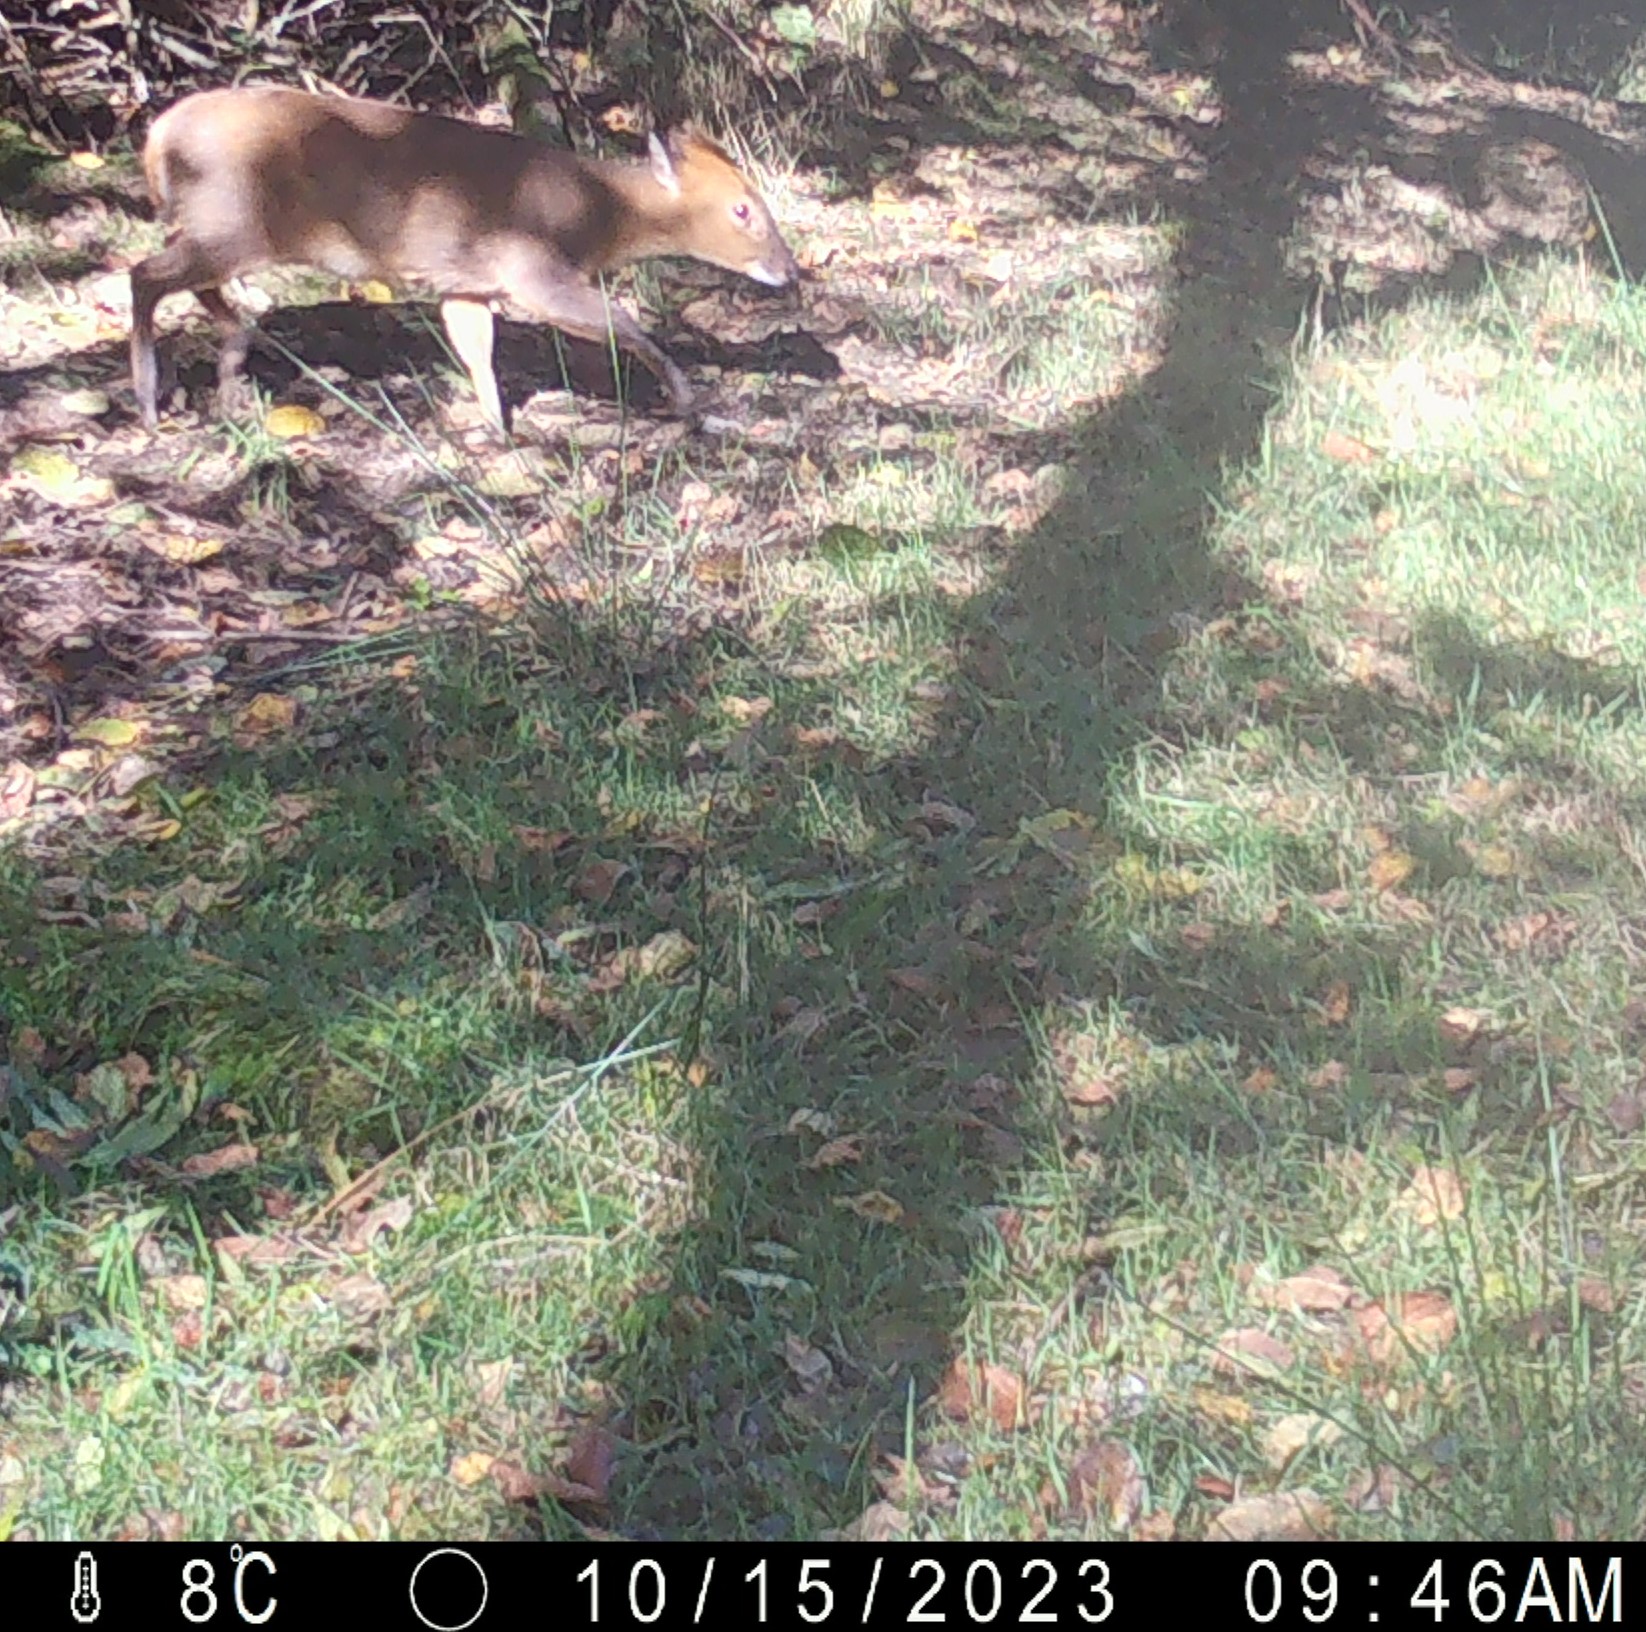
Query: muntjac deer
(246, 178)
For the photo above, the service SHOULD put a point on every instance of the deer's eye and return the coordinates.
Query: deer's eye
(741, 213)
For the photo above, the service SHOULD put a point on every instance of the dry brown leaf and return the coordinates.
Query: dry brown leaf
(1156, 1526)
(880, 1522)
(1335, 1005)
(916, 981)
(746, 710)
(257, 1251)
(1318, 1289)
(1390, 869)
(596, 881)
(1106, 1482)
(17, 784)
(590, 1459)
(1291, 1515)
(362, 1228)
(969, 1388)
(1373, 1490)
(358, 1297)
(1346, 449)
(1261, 1080)
(1250, 1348)
(874, 1205)
(1435, 1194)
(1424, 1321)
(518, 1484)
(492, 1379)
(1225, 1410)
(268, 714)
(471, 1467)
(1594, 1293)
(811, 1367)
(210, 1164)
(1298, 1431)
(1462, 1026)
(838, 1152)
(182, 1293)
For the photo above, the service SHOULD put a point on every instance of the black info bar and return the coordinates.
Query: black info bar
(450, 1587)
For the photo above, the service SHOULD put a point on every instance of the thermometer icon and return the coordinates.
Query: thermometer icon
(84, 1604)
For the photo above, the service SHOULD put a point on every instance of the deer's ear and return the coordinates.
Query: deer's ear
(662, 160)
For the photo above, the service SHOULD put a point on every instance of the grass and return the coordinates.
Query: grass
(998, 984)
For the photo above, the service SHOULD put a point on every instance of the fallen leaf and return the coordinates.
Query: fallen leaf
(186, 549)
(881, 1522)
(518, 1484)
(1424, 1321)
(1319, 1289)
(590, 1459)
(1250, 1348)
(968, 1388)
(1334, 1006)
(1261, 1079)
(210, 1164)
(1291, 1515)
(1223, 1409)
(1594, 1293)
(268, 714)
(916, 981)
(811, 1367)
(1390, 869)
(1373, 1490)
(1106, 1482)
(358, 1297)
(1435, 1194)
(290, 420)
(838, 1152)
(874, 1205)
(17, 784)
(597, 881)
(110, 732)
(1299, 1431)
(361, 1229)
(181, 1293)
(1345, 449)
(1463, 1026)
(471, 1467)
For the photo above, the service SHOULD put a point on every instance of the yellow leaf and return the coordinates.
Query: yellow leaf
(111, 732)
(182, 548)
(267, 713)
(46, 468)
(889, 88)
(1495, 861)
(86, 161)
(1336, 1003)
(292, 419)
(874, 1205)
(962, 231)
(1390, 868)
(375, 291)
(471, 1467)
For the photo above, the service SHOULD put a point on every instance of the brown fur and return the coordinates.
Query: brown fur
(246, 178)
